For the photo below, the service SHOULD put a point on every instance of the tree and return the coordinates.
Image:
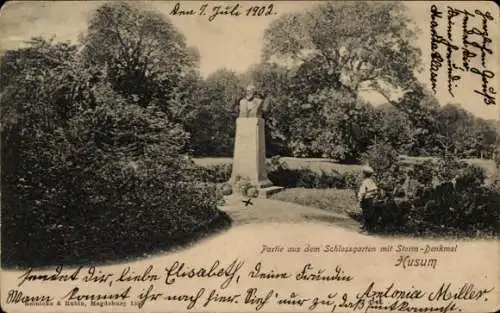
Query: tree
(45, 93)
(41, 88)
(394, 128)
(349, 125)
(456, 130)
(421, 108)
(354, 44)
(291, 121)
(43, 82)
(143, 55)
(212, 123)
(484, 138)
(334, 50)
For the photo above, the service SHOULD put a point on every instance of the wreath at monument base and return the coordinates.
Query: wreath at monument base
(244, 187)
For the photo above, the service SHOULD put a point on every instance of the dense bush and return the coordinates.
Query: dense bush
(127, 215)
(108, 184)
(217, 173)
(450, 199)
(436, 196)
(461, 210)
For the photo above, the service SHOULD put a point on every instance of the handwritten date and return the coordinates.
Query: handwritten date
(213, 11)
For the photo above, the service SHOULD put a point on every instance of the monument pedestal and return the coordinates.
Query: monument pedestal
(249, 161)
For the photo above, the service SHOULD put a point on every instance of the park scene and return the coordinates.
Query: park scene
(116, 147)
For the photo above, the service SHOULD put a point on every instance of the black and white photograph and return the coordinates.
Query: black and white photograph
(272, 156)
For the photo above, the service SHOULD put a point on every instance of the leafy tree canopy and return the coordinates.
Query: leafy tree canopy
(357, 45)
(143, 54)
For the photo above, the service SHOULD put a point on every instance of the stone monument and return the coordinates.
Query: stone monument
(249, 161)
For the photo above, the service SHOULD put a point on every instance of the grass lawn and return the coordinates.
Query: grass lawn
(340, 201)
(327, 165)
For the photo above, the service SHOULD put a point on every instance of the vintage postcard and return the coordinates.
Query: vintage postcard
(259, 156)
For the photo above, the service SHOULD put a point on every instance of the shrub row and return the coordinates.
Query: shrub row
(306, 178)
(280, 175)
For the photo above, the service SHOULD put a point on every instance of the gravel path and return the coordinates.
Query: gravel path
(267, 211)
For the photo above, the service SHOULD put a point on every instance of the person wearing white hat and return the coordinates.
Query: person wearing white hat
(368, 191)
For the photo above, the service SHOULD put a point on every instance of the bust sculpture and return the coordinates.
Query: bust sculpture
(251, 105)
(249, 159)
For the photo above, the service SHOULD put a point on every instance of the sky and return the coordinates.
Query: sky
(236, 42)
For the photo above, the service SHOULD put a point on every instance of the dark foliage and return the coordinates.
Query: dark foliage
(88, 173)
(449, 198)
(218, 173)
(306, 178)
(133, 217)
(84, 195)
